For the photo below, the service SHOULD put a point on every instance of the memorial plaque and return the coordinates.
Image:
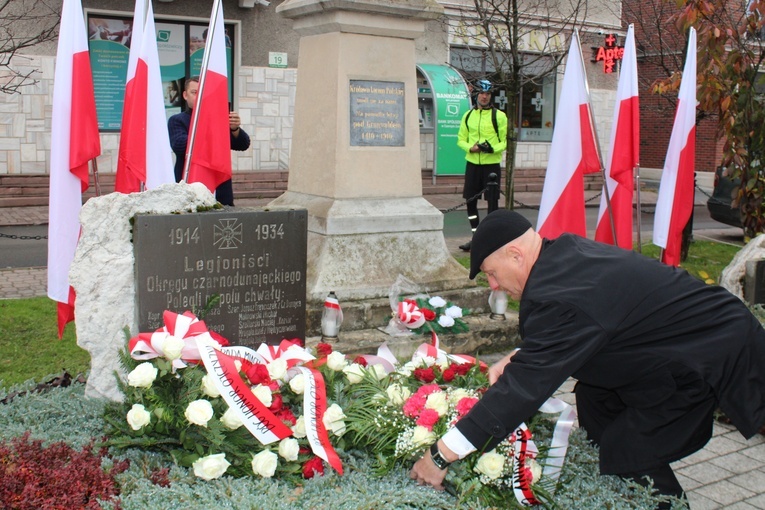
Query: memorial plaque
(255, 261)
(377, 113)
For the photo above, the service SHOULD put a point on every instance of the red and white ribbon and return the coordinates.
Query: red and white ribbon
(314, 407)
(433, 350)
(259, 420)
(524, 449)
(383, 357)
(410, 314)
(559, 444)
(185, 327)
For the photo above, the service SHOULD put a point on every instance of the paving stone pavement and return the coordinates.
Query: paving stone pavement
(728, 473)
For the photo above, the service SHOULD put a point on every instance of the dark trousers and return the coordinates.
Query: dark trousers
(639, 437)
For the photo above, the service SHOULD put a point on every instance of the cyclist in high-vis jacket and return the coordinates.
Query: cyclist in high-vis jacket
(483, 137)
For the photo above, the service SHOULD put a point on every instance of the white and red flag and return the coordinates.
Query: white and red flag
(74, 142)
(208, 155)
(623, 155)
(676, 189)
(145, 154)
(573, 153)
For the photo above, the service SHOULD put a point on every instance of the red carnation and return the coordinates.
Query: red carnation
(428, 314)
(313, 467)
(286, 416)
(276, 402)
(323, 349)
(258, 374)
(426, 375)
(449, 374)
(461, 368)
(360, 360)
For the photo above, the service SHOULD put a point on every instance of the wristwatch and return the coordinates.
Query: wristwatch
(438, 459)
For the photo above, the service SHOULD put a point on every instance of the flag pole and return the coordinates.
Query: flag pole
(94, 164)
(597, 140)
(202, 79)
(639, 212)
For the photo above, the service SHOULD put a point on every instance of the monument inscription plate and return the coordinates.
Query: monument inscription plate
(377, 113)
(255, 261)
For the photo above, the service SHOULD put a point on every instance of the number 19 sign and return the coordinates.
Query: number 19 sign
(276, 59)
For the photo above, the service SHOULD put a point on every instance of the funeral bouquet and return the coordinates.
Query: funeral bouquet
(274, 411)
(421, 313)
(400, 416)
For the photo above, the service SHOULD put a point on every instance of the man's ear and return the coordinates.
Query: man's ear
(513, 252)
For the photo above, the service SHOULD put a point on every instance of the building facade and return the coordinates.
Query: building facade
(263, 50)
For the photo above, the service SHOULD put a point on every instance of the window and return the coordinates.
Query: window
(537, 110)
(180, 45)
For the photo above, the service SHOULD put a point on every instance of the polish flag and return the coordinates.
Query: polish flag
(623, 155)
(208, 155)
(74, 142)
(145, 154)
(573, 153)
(675, 202)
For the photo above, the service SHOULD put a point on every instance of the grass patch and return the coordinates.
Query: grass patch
(29, 344)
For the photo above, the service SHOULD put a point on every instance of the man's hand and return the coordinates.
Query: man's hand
(427, 473)
(234, 121)
(495, 371)
(475, 148)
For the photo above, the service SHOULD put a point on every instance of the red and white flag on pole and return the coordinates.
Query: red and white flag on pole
(208, 155)
(573, 153)
(145, 154)
(74, 142)
(676, 189)
(623, 154)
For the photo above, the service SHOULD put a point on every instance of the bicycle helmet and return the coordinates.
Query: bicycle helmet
(484, 86)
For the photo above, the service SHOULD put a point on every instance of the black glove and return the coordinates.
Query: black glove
(485, 147)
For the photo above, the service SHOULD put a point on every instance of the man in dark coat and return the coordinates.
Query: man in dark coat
(654, 350)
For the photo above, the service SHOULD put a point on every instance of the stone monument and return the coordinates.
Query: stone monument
(355, 158)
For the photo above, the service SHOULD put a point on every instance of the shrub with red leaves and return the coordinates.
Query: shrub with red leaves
(54, 477)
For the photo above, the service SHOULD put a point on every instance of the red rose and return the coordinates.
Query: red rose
(258, 374)
(273, 386)
(323, 349)
(449, 375)
(425, 375)
(276, 402)
(428, 314)
(360, 360)
(313, 467)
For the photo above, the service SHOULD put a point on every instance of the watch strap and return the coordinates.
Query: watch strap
(438, 459)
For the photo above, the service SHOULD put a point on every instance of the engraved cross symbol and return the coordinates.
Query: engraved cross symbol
(501, 100)
(537, 101)
(610, 40)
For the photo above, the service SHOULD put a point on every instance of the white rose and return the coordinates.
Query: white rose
(354, 372)
(379, 371)
(289, 448)
(298, 429)
(428, 360)
(277, 369)
(209, 388)
(422, 436)
(297, 384)
(143, 375)
(491, 464)
(172, 347)
(536, 469)
(333, 419)
(438, 402)
(264, 463)
(453, 311)
(336, 361)
(211, 467)
(445, 321)
(138, 417)
(231, 419)
(199, 412)
(437, 302)
(458, 394)
(263, 393)
(397, 394)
